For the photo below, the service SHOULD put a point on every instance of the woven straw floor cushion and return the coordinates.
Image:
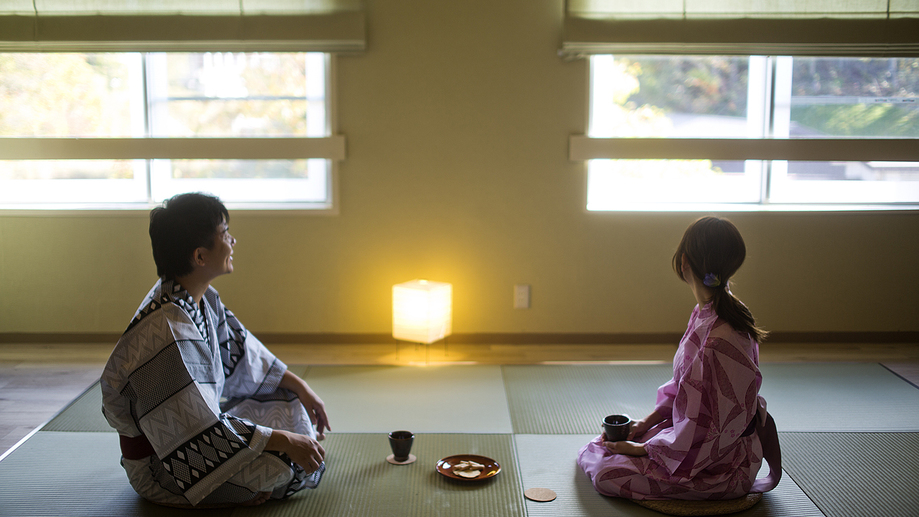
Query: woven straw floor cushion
(674, 507)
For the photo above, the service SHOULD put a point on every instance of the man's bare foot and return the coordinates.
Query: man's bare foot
(258, 499)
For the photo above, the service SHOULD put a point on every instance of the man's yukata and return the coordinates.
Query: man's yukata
(706, 447)
(195, 397)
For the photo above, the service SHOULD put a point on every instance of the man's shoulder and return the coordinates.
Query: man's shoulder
(161, 303)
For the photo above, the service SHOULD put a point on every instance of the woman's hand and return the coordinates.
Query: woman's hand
(626, 447)
(314, 406)
(302, 449)
(640, 427)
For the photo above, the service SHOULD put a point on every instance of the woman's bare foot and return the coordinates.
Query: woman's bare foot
(258, 499)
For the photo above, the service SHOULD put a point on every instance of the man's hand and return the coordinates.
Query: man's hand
(314, 406)
(302, 449)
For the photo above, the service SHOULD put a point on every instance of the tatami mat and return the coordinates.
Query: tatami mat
(73, 474)
(841, 397)
(573, 399)
(360, 482)
(856, 474)
(563, 399)
(550, 462)
(553, 409)
(83, 415)
(433, 399)
(568, 399)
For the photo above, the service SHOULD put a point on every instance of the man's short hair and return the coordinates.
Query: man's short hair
(183, 224)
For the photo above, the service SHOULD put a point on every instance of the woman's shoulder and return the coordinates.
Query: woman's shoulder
(726, 339)
(721, 329)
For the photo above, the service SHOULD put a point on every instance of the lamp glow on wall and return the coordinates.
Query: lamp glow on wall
(422, 311)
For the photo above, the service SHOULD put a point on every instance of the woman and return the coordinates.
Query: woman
(706, 436)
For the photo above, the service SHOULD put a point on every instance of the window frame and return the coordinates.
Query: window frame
(767, 150)
(330, 148)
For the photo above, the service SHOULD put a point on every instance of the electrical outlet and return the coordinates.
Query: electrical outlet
(522, 296)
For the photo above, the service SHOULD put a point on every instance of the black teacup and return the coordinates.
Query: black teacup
(616, 427)
(401, 444)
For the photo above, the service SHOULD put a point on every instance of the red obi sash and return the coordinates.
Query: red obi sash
(136, 448)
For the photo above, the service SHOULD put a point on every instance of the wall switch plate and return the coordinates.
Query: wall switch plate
(522, 296)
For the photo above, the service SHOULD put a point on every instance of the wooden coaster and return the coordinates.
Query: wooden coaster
(392, 459)
(542, 495)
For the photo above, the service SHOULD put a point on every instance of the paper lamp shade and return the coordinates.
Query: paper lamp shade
(422, 311)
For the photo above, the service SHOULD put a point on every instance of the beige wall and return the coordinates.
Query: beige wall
(457, 119)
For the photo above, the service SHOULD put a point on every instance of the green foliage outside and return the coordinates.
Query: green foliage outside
(858, 78)
(714, 85)
(717, 85)
(91, 95)
(54, 95)
(843, 97)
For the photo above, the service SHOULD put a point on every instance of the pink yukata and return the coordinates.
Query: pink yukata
(697, 451)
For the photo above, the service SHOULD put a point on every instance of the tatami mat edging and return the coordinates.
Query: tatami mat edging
(532, 419)
(855, 474)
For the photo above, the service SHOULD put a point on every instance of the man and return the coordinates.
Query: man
(207, 416)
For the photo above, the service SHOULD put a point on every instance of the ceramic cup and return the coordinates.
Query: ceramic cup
(617, 427)
(401, 444)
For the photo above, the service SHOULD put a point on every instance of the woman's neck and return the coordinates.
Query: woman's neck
(702, 292)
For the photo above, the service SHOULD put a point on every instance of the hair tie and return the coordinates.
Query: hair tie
(711, 280)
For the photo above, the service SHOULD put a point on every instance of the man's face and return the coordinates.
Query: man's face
(219, 259)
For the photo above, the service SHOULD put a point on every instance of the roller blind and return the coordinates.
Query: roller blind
(182, 25)
(650, 9)
(879, 28)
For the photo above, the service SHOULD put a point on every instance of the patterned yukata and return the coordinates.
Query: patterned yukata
(705, 448)
(195, 397)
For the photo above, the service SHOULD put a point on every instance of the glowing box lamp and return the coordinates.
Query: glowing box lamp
(422, 311)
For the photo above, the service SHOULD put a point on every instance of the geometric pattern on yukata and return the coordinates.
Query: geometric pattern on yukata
(165, 378)
(280, 410)
(698, 451)
(199, 456)
(170, 425)
(232, 349)
(268, 473)
(185, 301)
(300, 481)
(158, 379)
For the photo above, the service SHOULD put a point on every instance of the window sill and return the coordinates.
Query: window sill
(752, 207)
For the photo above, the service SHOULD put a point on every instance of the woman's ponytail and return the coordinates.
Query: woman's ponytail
(732, 310)
(715, 251)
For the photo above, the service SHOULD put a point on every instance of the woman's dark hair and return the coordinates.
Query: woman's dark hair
(183, 224)
(715, 251)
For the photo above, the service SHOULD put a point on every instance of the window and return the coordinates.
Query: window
(105, 130)
(819, 128)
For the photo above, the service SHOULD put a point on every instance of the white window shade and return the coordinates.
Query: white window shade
(178, 6)
(734, 27)
(582, 147)
(624, 9)
(330, 148)
(174, 25)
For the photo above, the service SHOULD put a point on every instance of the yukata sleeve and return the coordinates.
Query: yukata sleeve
(200, 447)
(715, 400)
(249, 368)
(666, 394)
